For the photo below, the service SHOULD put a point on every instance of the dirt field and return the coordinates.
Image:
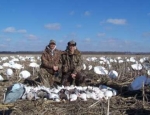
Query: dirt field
(125, 103)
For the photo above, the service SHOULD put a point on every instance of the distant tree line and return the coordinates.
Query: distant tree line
(83, 52)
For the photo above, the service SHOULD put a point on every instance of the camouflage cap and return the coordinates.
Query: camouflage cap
(52, 41)
(71, 43)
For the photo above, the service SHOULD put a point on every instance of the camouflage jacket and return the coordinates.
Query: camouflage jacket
(50, 59)
(71, 62)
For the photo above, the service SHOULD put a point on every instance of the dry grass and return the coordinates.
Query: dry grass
(125, 103)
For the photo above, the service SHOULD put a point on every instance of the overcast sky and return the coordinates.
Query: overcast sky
(96, 25)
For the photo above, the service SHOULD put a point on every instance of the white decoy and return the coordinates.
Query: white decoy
(100, 95)
(132, 59)
(33, 65)
(55, 90)
(113, 74)
(73, 97)
(88, 59)
(91, 94)
(60, 87)
(102, 58)
(15, 59)
(79, 87)
(111, 60)
(143, 59)
(84, 66)
(1, 67)
(127, 60)
(108, 94)
(102, 62)
(1, 78)
(89, 88)
(4, 58)
(84, 88)
(90, 67)
(104, 88)
(24, 74)
(93, 58)
(53, 96)
(119, 58)
(96, 90)
(136, 66)
(57, 100)
(9, 73)
(120, 61)
(38, 58)
(17, 67)
(69, 87)
(11, 62)
(6, 65)
(100, 70)
(148, 72)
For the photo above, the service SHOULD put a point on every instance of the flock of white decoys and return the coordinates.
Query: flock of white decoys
(8, 64)
(103, 66)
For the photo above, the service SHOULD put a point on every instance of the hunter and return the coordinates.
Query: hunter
(71, 65)
(50, 68)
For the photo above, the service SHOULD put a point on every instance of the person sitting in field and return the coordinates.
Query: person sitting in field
(50, 67)
(71, 62)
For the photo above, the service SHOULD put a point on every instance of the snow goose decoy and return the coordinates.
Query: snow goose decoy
(105, 88)
(100, 70)
(136, 66)
(9, 73)
(24, 74)
(33, 65)
(113, 74)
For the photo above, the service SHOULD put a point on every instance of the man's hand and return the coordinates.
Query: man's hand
(73, 76)
(55, 68)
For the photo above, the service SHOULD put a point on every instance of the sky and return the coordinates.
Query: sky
(95, 25)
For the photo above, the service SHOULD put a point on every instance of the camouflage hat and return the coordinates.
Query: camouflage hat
(52, 41)
(71, 43)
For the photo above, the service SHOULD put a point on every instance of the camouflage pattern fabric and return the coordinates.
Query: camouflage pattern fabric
(68, 80)
(71, 63)
(46, 78)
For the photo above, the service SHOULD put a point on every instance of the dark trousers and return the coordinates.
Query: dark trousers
(68, 80)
